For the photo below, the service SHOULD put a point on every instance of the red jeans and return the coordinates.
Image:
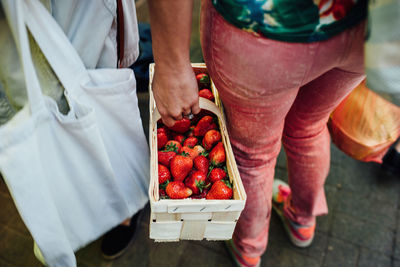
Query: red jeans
(277, 92)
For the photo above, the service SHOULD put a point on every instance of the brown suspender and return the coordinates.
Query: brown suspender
(120, 33)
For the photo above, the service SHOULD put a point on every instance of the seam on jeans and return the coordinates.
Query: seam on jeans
(351, 33)
(347, 71)
(212, 30)
(349, 44)
(307, 72)
(285, 136)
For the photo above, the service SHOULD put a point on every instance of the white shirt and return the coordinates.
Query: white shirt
(91, 27)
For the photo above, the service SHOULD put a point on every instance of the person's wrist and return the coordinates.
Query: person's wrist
(172, 66)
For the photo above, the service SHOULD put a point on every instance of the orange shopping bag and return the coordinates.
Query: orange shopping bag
(365, 125)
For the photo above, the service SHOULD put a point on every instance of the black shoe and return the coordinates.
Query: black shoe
(117, 240)
(391, 162)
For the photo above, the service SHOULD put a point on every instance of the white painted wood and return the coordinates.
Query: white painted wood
(226, 216)
(205, 206)
(196, 216)
(193, 230)
(166, 217)
(165, 230)
(219, 230)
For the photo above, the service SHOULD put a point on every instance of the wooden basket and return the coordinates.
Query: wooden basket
(193, 219)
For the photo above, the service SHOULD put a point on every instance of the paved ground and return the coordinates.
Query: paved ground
(362, 228)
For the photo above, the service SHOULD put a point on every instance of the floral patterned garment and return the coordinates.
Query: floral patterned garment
(293, 20)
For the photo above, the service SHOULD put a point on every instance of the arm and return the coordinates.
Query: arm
(174, 84)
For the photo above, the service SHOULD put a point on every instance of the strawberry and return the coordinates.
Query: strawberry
(204, 193)
(198, 150)
(203, 80)
(217, 174)
(192, 152)
(190, 141)
(220, 190)
(162, 128)
(191, 172)
(201, 163)
(201, 195)
(180, 166)
(181, 126)
(163, 174)
(217, 155)
(198, 116)
(162, 138)
(190, 131)
(211, 138)
(178, 190)
(164, 157)
(173, 145)
(163, 194)
(179, 137)
(205, 124)
(196, 182)
(207, 94)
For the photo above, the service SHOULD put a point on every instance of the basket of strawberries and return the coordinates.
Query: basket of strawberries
(195, 188)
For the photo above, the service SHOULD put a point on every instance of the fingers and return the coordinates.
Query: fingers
(170, 116)
(187, 111)
(175, 98)
(168, 121)
(196, 108)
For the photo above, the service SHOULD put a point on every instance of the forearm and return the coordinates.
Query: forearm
(171, 26)
(174, 84)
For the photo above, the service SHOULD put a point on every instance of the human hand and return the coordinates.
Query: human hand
(175, 92)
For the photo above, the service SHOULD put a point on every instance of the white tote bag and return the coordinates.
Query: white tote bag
(74, 176)
(112, 94)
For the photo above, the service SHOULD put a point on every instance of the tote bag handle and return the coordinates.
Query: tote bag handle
(56, 46)
(16, 18)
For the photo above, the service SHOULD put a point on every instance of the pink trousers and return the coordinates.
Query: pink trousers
(276, 92)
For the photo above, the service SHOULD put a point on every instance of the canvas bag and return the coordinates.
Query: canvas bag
(112, 94)
(58, 168)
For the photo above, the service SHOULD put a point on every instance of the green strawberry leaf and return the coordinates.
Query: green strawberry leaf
(205, 79)
(204, 153)
(171, 147)
(213, 163)
(210, 168)
(164, 185)
(228, 183)
(226, 171)
(184, 154)
(200, 185)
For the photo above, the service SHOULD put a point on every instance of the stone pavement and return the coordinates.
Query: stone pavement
(362, 227)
